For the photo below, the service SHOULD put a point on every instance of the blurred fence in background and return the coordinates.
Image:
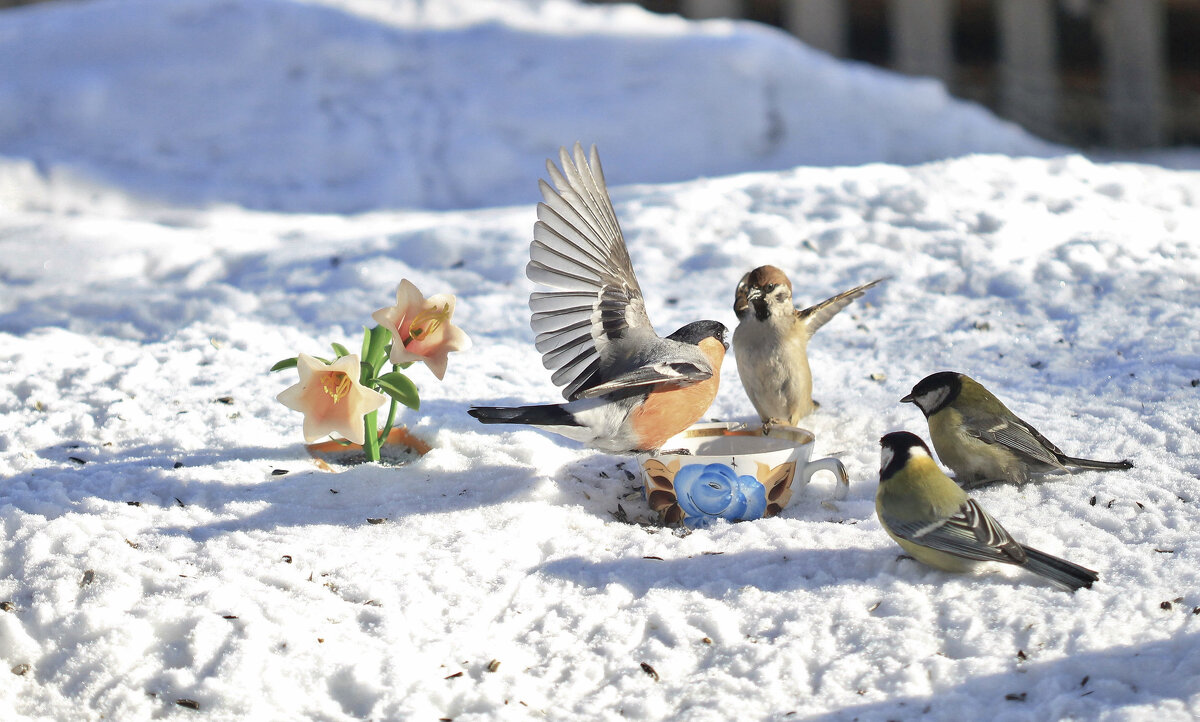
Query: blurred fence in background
(1115, 73)
(1111, 73)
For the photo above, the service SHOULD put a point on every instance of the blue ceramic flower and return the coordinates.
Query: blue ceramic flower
(714, 491)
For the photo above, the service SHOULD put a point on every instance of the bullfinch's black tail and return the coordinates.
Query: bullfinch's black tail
(1060, 571)
(543, 415)
(1098, 465)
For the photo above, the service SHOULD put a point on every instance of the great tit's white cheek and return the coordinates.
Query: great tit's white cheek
(885, 458)
(932, 399)
(916, 452)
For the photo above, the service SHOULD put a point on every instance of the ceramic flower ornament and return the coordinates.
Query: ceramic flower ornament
(715, 491)
(343, 396)
(331, 398)
(421, 328)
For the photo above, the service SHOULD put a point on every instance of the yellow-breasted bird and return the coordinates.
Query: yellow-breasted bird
(938, 524)
(981, 440)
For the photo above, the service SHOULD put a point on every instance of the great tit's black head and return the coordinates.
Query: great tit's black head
(697, 331)
(759, 289)
(935, 392)
(896, 449)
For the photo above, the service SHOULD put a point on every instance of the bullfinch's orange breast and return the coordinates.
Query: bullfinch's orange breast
(669, 410)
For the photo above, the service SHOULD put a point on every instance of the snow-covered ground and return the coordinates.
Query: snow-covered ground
(167, 233)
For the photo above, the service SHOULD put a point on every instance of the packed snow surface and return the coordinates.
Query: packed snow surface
(168, 544)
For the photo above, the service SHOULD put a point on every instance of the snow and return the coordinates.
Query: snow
(279, 106)
(151, 555)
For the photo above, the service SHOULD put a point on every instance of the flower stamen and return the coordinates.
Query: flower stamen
(336, 385)
(428, 321)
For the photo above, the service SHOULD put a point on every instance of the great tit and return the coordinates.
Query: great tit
(938, 524)
(981, 440)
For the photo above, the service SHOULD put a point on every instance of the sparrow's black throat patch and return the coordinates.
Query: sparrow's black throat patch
(760, 308)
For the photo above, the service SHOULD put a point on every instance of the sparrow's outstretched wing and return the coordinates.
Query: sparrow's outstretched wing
(817, 315)
(597, 308)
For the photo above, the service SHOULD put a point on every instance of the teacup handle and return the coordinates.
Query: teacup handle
(833, 465)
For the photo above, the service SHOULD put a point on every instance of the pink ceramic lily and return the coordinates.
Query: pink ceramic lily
(421, 328)
(331, 398)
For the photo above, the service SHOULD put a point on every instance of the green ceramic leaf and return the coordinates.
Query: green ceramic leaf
(287, 363)
(400, 388)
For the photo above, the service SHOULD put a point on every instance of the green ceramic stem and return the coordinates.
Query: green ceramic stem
(387, 425)
(371, 437)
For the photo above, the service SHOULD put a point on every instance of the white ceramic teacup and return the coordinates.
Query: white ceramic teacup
(730, 470)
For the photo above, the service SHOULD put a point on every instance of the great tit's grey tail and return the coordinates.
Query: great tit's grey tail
(1060, 571)
(541, 415)
(1098, 465)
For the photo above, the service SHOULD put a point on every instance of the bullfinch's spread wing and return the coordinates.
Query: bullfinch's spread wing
(970, 533)
(680, 373)
(595, 319)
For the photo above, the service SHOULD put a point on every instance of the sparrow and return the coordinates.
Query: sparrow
(626, 388)
(937, 523)
(981, 440)
(770, 343)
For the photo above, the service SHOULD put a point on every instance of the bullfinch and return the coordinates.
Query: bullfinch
(627, 389)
